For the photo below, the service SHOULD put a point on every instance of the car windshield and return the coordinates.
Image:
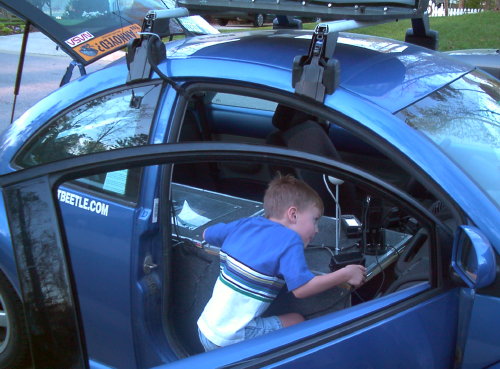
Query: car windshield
(463, 119)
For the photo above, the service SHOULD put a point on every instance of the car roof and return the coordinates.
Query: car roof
(389, 73)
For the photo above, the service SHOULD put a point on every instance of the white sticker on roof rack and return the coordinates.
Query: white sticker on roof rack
(306, 37)
(184, 50)
(382, 47)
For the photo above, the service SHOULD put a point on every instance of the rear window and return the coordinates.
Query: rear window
(116, 120)
(107, 122)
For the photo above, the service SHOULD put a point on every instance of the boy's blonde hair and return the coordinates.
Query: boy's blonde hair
(286, 191)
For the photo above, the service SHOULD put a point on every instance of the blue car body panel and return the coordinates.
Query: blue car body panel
(420, 320)
(388, 73)
(483, 330)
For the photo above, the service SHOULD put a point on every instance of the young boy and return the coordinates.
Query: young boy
(258, 256)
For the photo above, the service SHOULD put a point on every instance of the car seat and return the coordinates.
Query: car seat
(301, 131)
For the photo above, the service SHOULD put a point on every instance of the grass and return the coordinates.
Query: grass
(9, 26)
(471, 31)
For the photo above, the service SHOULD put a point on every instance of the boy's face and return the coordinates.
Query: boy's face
(306, 223)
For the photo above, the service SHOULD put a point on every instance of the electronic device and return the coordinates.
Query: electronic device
(373, 234)
(351, 225)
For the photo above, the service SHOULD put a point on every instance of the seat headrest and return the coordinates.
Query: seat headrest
(286, 117)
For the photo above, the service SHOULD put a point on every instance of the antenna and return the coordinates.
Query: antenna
(373, 235)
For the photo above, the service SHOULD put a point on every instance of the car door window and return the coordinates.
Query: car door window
(395, 247)
(118, 119)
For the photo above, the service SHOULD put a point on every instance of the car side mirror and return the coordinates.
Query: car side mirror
(473, 258)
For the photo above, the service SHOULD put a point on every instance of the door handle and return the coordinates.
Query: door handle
(148, 265)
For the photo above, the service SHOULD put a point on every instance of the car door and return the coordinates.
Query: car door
(105, 217)
(412, 312)
(386, 329)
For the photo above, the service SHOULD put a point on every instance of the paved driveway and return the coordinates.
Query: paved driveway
(44, 67)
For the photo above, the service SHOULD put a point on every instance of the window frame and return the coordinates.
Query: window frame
(439, 253)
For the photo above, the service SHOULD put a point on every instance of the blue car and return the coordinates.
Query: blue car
(108, 183)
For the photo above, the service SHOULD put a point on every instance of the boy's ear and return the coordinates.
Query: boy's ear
(291, 214)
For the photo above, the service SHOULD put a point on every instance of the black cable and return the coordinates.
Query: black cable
(364, 220)
(331, 306)
(351, 247)
(154, 64)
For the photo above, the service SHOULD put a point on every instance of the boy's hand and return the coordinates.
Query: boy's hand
(356, 274)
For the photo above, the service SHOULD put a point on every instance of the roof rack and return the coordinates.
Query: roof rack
(318, 73)
(364, 10)
(354, 10)
(314, 74)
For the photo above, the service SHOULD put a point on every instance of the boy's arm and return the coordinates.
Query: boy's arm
(351, 274)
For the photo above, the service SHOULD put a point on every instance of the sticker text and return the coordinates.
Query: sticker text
(97, 47)
(79, 39)
(83, 202)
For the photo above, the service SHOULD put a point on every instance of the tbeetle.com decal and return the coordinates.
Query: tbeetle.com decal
(98, 46)
(83, 202)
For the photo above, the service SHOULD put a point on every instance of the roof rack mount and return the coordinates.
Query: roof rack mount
(318, 73)
(149, 48)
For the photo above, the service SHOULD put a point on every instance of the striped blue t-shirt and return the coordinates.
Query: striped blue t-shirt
(258, 256)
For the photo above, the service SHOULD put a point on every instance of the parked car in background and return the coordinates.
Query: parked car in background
(108, 183)
(257, 20)
(486, 59)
